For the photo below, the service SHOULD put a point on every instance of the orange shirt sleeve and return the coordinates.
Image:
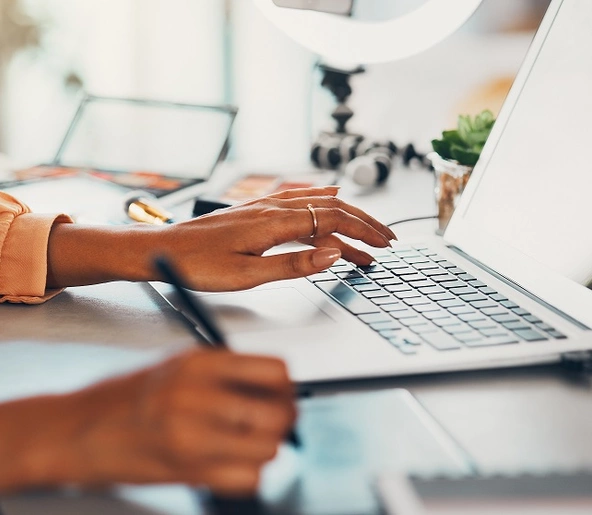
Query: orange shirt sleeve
(23, 252)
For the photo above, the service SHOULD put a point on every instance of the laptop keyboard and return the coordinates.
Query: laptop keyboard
(413, 297)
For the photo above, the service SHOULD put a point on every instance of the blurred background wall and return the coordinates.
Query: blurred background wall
(223, 51)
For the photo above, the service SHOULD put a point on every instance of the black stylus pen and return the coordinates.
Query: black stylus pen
(210, 329)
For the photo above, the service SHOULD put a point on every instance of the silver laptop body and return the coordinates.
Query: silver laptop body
(518, 236)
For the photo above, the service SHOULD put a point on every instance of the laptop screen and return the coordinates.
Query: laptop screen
(533, 193)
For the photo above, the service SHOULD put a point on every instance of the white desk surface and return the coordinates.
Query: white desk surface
(510, 420)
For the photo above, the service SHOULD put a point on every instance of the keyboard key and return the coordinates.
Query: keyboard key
(373, 268)
(509, 304)
(375, 293)
(379, 275)
(342, 267)
(484, 304)
(424, 329)
(477, 284)
(357, 281)
(482, 324)
(451, 303)
(441, 341)
(520, 312)
(459, 310)
(466, 277)
(349, 275)
(456, 271)
(471, 317)
(436, 271)
(380, 301)
(437, 259)
(457, 329)
(447, 264)
(416, 260)
(556, 334)
(321, 276)
(366, 287)
(398, 287)
(416, 301)
(497, 310)
(472, 336)
(498, 297)
(389, 324)
(409, 322)
(403, 271)
(441, 296)
(431, 290)
(412, 277)
(488, 291)
(452, 284)
(514, 326)
(494, 331)
(405, 294)
(505, 318)
(427, 308)
(442, 278)
(393, 306)
(426, 283)
(464, 290)
(493, 340)
(544, 327)
(389, 333)
(391, 280)
(347, 297)
(373, 318)
(400, 314)
(532, 319)
(439, 313)
(442, 322)
(530, 335)
(426, 266)
(473, 297)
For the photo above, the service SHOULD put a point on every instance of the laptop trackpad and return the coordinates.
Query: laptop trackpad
(265, 310)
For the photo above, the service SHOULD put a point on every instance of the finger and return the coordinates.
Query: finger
(332, 220)
(292, 265)
(348, 252)
(259, 372)
(336, 203)
(233, 411)
(306, 192)
(221, 444)
(233, 479)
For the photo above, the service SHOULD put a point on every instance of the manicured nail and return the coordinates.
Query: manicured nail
(324, 258)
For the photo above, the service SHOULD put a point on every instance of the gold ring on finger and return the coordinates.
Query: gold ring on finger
(315, 221)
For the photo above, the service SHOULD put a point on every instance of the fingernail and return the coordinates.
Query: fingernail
(324, 258)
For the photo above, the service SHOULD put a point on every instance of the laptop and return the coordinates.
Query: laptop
(507, 283)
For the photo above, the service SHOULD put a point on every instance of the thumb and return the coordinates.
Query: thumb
(299, 264)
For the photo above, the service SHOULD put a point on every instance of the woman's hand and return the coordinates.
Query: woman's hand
(224, 249)
(210, 418)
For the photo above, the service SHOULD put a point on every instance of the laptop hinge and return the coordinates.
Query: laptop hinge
(519, 288)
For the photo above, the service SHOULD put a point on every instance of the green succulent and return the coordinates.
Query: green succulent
(465, 143)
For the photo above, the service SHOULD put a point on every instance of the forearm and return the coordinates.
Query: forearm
(81, 255)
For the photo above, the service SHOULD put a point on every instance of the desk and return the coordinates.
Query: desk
(509, 420)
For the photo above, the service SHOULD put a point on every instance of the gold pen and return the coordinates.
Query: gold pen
(143, 208)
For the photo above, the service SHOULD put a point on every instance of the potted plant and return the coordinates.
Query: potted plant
(453, 159)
